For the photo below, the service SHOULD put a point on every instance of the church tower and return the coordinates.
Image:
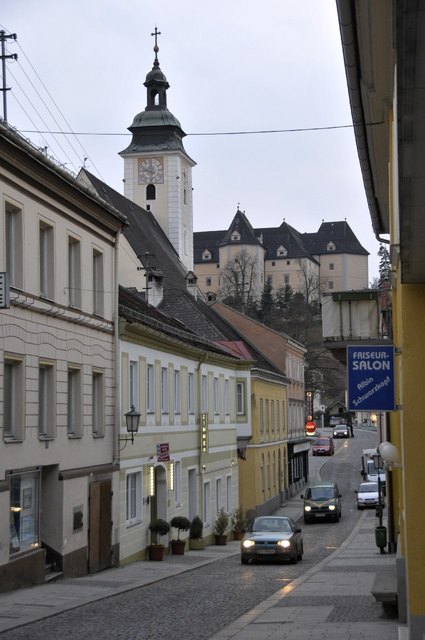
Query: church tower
(157, 169)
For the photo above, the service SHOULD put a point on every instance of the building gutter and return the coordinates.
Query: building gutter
(348, 29)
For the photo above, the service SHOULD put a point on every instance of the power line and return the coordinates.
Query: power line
(216, 133)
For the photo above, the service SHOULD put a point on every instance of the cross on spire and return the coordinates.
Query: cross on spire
(156, 33)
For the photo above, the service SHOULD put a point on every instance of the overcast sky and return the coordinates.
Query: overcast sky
(233, 66)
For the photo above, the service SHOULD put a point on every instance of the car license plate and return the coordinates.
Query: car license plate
(319, 515)
(266, 552)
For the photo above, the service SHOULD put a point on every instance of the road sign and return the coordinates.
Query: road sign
(370, 372)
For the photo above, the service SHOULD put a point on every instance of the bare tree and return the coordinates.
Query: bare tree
(237, 281)
(312, 285)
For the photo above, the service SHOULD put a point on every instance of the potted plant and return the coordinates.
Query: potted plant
(181, 523)
(158, 528)
(220, 527)
(196, 541)
(239, 522)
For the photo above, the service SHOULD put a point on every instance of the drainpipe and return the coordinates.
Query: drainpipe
(117, 368)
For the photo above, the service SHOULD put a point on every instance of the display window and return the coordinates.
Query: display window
(24, 511)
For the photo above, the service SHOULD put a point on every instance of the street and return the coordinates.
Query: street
(197, 604)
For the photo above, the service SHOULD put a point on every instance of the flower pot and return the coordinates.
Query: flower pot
(220, 539)
(156, 552)
(238, 535)
(177, 547)
(196, 544)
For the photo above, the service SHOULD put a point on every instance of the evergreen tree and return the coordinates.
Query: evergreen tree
(384, 267)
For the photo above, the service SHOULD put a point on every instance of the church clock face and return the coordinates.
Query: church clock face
(150, 171)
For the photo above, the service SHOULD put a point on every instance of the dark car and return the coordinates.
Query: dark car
(341, 431)
(323, 446)
(272, 538)
(322, 500)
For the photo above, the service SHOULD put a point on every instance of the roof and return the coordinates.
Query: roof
(296, 244)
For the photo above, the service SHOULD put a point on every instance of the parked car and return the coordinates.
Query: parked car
(323, 446)
(322, 500)
(341, 431)
(272, 538)
(368, 495)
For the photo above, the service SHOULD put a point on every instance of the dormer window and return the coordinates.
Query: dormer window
(281, 252)
(331, 246)
(235, 237)
(206, 255)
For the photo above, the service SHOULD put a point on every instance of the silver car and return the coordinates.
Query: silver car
(368, 495)
(272, 538)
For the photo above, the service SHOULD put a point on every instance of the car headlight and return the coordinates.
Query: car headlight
(247, 544)
(307, 508)
(284, 543)
(332, 507)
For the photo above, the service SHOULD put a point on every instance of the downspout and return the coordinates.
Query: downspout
(117, 368)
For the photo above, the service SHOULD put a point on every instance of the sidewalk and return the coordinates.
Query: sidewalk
(331, 600)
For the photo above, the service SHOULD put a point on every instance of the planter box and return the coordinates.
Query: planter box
(238, 535)
(156, 552)
(220, 539)
(196, 544)
(177, 547)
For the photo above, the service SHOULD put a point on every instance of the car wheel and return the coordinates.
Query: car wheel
(244, 560)
(294, 557)
(307, 520)
(300, 554)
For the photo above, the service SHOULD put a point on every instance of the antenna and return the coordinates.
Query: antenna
(4, 57)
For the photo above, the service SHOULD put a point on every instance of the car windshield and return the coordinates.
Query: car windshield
(320, 493)
(368, 487)
(271, 524)
(322, 442)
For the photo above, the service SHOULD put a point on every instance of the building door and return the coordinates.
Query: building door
(100, 526)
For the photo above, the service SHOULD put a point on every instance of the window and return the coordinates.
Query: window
(269, 280)
(204, 394)
(150, 389)
(206, 255)
(226, 398)
(218, 499)
(184, 196)
(98, 391)
(216, 396)
(229, 499)
(13, 398)
(286, 279)
(267, 416)
(98, 286)
(235, 237)
(331, 266)
(282, 251)
(24, 511)
(151, 192)
(14, 245)
(46, 400)
(191, 393)
(273, 264)
(46, 265)
(133, 384)
(240, 398)
(261, 415)
(177, 483)
(164, 389)
(330, 284)
(208, 282)
(331, 246)
(288, 262)
(177, 392)
(207, 504)
(133, 498)
(272, 415)
(74, 418)
(74, 272)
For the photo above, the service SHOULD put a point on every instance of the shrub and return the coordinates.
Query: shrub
(181, 523)
(196, 528)
(221, 522)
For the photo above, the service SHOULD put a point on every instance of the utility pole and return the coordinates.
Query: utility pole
(4, 57)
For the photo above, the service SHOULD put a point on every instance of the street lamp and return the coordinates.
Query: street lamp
(132, 418)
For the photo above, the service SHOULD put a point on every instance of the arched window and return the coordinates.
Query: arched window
(150, 192)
